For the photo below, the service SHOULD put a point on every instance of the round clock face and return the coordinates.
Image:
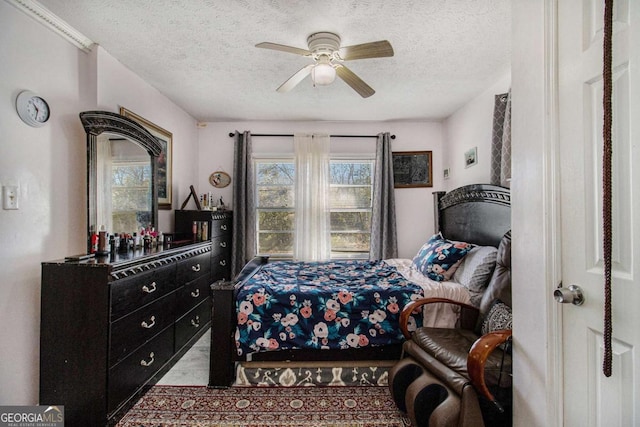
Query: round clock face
(32, 109)
(219, 179)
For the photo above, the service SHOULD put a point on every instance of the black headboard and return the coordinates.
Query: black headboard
(476, 213)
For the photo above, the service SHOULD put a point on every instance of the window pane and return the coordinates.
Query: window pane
(351, 172)
(130, 196)
(350, 201)
(350, 197)
(130, 186)
(350, 242)
(275, 173)
(275, 244)
(275, 197)
(131, 174)
(275, 220)
(351, 221)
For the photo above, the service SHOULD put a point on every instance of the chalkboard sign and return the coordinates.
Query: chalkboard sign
(412, 169)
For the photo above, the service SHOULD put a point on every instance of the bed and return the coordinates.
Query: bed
(348, 310)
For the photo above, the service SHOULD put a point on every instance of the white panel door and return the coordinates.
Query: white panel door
(590, 398)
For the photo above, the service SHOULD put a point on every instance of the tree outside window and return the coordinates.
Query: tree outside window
(350, 204)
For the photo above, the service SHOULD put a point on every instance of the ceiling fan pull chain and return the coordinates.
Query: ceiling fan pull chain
(606, 182)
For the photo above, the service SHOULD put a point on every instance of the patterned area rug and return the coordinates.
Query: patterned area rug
(174, 406)
(294, 374)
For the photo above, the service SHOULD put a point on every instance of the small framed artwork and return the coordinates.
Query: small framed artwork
(412, 169)
(219, 179)
(164, 160)
(445, 173)
(471, 157)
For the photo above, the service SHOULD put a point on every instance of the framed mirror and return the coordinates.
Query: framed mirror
(122, 174)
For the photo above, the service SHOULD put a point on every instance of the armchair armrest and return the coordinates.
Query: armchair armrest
(480, 351)
(415, 305)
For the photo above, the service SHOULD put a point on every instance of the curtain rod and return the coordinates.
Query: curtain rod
(231, 134)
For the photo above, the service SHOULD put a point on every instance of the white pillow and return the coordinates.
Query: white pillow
(476, 268)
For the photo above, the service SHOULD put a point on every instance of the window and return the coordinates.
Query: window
(130, 195)
(350, 201)
(275, 181)
(350, 197)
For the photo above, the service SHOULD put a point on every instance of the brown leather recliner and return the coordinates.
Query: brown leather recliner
(459, 377)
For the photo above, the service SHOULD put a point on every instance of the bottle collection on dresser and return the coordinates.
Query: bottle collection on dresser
(114, 322)
(104, 243)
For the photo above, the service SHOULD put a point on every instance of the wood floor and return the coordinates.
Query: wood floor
(193, 367)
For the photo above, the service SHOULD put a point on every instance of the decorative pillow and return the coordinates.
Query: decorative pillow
(498, 318)
(438, 258)
(476, 268)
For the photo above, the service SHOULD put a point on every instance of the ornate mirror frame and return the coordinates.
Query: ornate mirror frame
(98, 122)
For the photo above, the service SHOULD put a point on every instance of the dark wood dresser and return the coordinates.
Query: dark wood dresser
(112, 326)
(218, 230)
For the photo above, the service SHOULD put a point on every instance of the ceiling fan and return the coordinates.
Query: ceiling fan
(327, 55)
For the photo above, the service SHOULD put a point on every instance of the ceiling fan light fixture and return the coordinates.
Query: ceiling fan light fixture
(323, 74)
(327, 55)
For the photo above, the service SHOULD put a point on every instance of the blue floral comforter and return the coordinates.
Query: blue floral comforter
(321, 305)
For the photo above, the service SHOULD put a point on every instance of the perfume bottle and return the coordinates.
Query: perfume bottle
(102, 241)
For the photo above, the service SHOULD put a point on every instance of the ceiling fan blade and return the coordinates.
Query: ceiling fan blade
(354, 81)
(284, 48)
(295, 79)
(379, 49)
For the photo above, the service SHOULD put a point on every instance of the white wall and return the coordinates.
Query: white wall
(414, 206)
(472, 126)
(49, 166)
(120, 87)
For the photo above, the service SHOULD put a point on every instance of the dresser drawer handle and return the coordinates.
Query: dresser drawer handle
(196, 267)
(223, 262)
(151, 288)
(196, 322)
(145, 363)
(223, 244)
(146, 325)
(223, 227)
(195, 293)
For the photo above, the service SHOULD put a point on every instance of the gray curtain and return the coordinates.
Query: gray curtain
(243, 240)
(384, 239)
(501, 141)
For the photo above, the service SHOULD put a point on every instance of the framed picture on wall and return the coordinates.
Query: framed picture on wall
(471, 157)
(412, 169)
(164, 160)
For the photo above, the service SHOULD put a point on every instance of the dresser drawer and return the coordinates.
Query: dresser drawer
(221, 245)
(221, 266)
(192, 294)
(192, 322)
(220, 226)
(134, 371)
(139, 289)
(130, 332)
(193, 268)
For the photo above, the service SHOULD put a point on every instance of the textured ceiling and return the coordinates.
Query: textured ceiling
(201, 54)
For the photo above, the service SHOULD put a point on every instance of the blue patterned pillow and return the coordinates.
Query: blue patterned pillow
(438, 258)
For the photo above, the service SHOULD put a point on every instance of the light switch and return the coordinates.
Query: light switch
(10, 196)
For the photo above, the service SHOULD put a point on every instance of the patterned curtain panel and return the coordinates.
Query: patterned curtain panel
(501, 141)
(384, 239)
(312, 240)
(243, 240)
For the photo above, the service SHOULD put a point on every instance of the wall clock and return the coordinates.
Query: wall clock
(32, 109)
(219, 179)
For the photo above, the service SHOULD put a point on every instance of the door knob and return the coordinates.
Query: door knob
(572, 294)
